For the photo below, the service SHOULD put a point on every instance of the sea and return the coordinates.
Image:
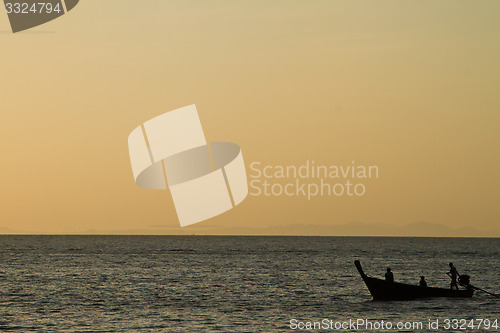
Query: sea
(238, 284)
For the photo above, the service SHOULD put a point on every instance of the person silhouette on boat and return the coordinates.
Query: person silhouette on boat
(453, 273)
(422, 282)
(389, 277)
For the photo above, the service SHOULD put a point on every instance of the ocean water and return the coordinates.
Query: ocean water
(233, 284)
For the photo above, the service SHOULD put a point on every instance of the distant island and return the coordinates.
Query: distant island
(417, 229)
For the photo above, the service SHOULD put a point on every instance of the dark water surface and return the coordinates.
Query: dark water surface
(229, 284)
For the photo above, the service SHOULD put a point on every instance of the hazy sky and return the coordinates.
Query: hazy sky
(410, 86)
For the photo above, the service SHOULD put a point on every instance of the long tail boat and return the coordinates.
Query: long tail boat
(389, 291)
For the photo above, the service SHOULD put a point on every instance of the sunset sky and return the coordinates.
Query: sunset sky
(412, 87)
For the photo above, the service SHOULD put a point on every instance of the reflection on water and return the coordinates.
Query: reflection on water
(228, 284)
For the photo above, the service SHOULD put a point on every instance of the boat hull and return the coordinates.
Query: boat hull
(383, 290)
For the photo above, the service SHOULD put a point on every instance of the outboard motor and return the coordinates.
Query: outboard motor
(464, 280)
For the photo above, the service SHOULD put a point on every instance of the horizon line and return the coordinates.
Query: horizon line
(241, 235)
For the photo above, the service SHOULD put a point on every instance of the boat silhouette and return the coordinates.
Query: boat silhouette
(396, 291)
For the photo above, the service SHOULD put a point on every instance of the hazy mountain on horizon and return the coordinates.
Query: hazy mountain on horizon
(355, 228)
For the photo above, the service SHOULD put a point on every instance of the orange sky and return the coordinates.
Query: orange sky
(409, 86)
